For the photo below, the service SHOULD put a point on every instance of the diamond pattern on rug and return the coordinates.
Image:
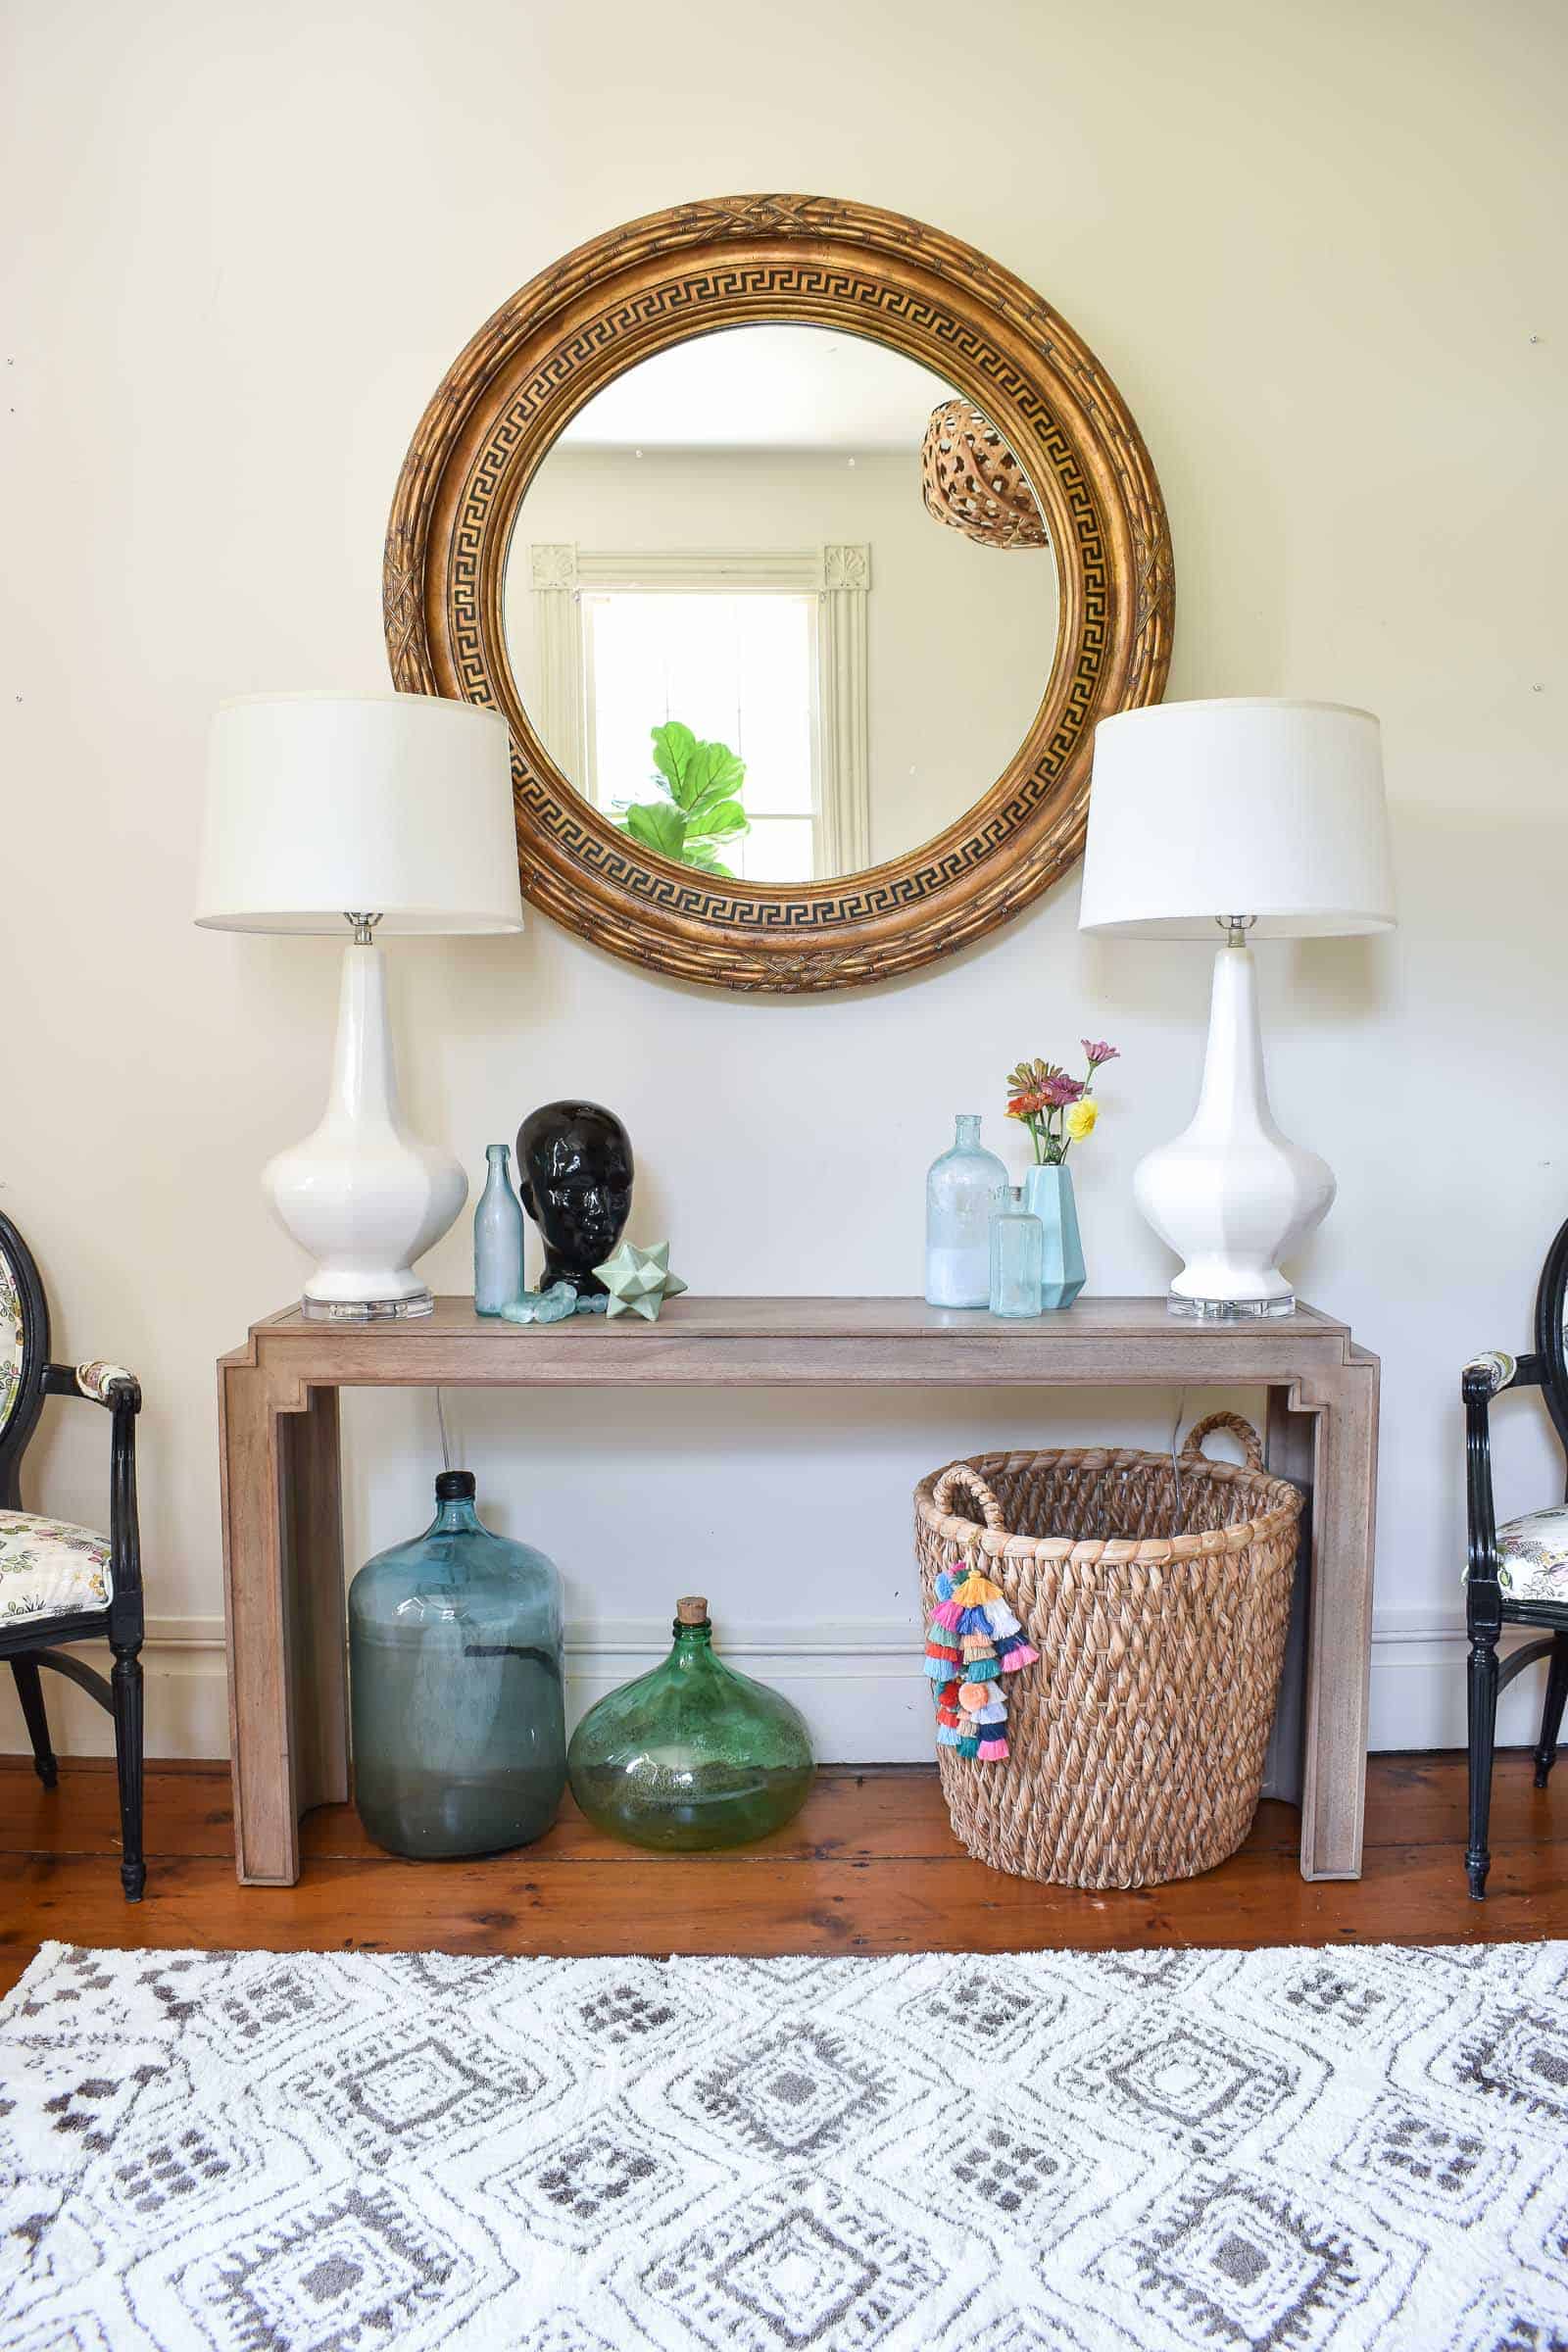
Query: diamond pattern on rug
(1357, 2150)
(1236, 2261)
(798, 2264)
(1198, 2089)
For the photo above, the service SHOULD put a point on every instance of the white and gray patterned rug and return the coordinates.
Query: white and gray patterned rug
(1060, 2152)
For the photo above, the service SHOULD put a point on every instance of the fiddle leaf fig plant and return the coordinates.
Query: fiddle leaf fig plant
(698, 804)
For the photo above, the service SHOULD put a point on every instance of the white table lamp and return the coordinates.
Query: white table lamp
(383, 813)
(1267, 818)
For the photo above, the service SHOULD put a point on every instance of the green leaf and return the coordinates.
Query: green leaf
(673, 746)
(714, 822)
(657, 826)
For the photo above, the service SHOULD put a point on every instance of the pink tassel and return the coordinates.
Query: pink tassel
(1023, 1655)
(993, 1751)
(946, 1614)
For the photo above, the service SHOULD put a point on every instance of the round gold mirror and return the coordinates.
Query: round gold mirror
(801, 547)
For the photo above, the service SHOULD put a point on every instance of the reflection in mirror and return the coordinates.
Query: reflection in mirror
(780, 604)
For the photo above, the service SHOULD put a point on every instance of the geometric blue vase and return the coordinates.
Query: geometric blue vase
(1048, 1194)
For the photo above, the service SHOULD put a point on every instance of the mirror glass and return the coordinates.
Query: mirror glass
(780, 604)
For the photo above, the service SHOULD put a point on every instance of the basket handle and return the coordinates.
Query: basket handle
(961, 1474)
(1193, 1449)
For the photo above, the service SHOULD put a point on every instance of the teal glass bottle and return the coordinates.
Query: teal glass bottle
(959, 1188)
(1017, 1255)
(497, 1232)
(456, 1688)
(693, 1755)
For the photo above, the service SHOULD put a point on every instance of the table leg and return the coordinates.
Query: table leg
(1290, 1446)
(283, 1594)
(1341, 1413)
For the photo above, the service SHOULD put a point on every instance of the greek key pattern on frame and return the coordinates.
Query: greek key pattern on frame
(911, 288)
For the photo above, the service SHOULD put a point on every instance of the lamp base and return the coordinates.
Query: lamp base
(367, 1310)
(1229, 1310)
(1232, 1196)
(361, 1195)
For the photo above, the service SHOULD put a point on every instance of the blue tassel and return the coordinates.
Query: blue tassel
(944, 1585)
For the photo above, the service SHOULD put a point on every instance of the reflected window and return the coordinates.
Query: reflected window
(736, 669)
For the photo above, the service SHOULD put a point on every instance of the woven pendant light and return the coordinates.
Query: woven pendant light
(970, 480)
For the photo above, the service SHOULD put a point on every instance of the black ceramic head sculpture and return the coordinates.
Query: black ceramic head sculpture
(574, 1171)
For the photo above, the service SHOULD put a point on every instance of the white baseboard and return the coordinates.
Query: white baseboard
(857, 1680)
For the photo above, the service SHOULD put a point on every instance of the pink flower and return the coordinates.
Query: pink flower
(1061, 1089)
(1098, 1051)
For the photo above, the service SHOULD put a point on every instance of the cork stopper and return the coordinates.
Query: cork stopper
(691, 1609)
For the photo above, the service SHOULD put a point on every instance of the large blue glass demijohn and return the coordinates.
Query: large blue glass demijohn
(456, 1688)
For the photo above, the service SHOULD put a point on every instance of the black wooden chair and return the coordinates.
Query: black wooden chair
(1517, 1574)
(59, 1582)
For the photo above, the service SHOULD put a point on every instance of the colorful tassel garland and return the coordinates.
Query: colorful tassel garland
(973, 1639)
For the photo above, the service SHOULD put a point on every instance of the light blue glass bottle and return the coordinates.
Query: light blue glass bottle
(959, 1192)
(1017, 1255)
(456, 1688)
(498, 1231)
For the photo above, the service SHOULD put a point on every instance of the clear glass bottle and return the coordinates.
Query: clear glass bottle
(1017, 1255)
(456, 1688)
(498, 1231)
(959, 1192)
(693, 1755)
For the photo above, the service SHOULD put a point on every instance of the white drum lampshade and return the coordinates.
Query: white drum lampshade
(384, 811)
(1261, 816)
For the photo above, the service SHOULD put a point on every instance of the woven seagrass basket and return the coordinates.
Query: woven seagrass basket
(1158, 1593)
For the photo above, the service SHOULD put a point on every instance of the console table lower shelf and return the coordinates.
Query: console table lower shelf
(282, 1509)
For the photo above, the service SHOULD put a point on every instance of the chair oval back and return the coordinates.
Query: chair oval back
(1551, 1302)
(24, 1354)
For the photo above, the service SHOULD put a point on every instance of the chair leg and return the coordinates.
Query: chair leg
(125, 1683)
(1483, 1714)
(29, 1689)
(1551, 1712)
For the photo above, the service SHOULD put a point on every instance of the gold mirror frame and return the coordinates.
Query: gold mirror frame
(806, 261)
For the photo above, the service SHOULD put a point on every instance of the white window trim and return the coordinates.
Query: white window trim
(838, 576)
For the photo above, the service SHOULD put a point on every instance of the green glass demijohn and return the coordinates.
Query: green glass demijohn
(456, 1688)
(693, 1755)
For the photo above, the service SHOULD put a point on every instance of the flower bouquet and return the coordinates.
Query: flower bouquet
(1056, 1108)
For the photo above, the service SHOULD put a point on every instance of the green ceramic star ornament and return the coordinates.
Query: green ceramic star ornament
(639, 1281)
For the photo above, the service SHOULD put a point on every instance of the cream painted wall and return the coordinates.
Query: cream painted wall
(1319, 249)
(959, 638)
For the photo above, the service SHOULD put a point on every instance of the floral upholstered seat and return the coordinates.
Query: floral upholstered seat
(1533, 1556)
(50, 1568)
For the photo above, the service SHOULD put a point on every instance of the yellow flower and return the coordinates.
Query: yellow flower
(1081, 1118)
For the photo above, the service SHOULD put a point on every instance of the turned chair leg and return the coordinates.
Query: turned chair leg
(125, 1683)
(1551, 1712)
(29, 1689)
(1483, 1714)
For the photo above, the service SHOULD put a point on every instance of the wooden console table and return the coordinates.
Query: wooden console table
(282, 1517)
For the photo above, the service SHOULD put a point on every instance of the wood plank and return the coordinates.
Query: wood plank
(750, 1317)
(815, 1343)
(670, 1905)
(869, 1865)
(887, 1812)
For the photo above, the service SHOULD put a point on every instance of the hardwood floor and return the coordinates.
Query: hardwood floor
(870, 1866)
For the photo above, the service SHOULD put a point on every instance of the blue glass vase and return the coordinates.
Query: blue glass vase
(961, 1189)
(497, 1232)
(1047, 1192)
(456, 1688)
